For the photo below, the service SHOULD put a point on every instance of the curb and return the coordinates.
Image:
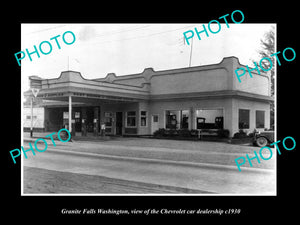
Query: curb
(164, 161)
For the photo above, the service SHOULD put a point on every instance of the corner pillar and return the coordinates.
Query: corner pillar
(96, 121)
(71, 120)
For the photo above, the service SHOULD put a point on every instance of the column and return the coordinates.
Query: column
(31, 116)
(83, 121)
(192, 119)
(96, 121)
(70, 113)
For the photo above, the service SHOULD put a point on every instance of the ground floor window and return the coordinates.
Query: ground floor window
(244, 118)
(209, 119)
(177, 119)
(131, 119)
(108, 119)
(155, 118)
(260, 118)
(29, 117)
(144, 118)
(185, 119)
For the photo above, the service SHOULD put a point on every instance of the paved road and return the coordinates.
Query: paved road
(219, 179)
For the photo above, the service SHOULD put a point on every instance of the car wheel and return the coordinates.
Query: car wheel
(261, 141)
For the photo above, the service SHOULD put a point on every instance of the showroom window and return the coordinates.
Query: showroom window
(244, 118)
(177, 119)
(209, 119)
(131, 119)
(260, 119)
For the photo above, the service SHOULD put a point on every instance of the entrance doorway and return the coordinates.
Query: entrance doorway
(119, 123)
(154, 123)
(77, 120)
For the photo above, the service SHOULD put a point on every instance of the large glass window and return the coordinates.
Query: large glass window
(131, 119)
(209, 119)
(177, 119)
(244, 118)
(260, 119)
(185, 119)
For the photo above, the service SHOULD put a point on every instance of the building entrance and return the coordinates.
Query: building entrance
(119, 123)
(84, 119)
(90, 121)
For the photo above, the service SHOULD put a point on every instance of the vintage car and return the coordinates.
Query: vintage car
(263, 138)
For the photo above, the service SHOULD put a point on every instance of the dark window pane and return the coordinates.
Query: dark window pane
(260, 119)
(244, 118)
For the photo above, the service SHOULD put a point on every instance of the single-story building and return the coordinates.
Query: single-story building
(199, 97)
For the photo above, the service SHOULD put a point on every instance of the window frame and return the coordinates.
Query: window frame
(179, 118)
(144, 117)
(249, 113)
(111, 116)
(131, 116)
(264, 118)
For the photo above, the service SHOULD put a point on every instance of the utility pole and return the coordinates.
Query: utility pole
(31, 116)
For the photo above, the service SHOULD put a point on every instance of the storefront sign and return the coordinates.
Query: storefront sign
(66, 115)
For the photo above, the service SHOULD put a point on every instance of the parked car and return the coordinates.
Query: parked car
(263, 138)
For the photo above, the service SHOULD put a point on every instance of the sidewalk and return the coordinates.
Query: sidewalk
(168, 151)
(36, 135)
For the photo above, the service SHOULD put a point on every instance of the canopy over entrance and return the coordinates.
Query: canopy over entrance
(71, 83)
(70, 89)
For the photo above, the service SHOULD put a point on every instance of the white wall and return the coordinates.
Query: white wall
(196, 81)
(38, 122)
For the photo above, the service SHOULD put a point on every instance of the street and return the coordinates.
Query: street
(208, 167)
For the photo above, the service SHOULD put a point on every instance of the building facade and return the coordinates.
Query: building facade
(200, 97)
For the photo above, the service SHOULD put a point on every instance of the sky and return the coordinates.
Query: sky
(124, 49)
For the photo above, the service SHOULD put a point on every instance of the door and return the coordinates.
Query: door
(77, 121)
(119, 123)
(154, 123)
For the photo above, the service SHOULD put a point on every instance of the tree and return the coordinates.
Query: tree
(267, 49)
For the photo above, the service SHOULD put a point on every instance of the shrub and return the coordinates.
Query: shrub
(240, 134)
(184, 133)
(161, 132)
(194, 132)
(173, 132)
(223, 133)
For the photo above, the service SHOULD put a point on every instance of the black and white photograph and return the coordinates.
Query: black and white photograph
(148, 109)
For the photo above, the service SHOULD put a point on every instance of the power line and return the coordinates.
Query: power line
(144, 36)
(46, 29)
(122, 31)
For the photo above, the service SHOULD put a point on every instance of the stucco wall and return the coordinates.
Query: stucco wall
(159, 108)
(120, 108)
(137, 81)
(38, 117)
(197, 81)
(252, 106)
(258, 84)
